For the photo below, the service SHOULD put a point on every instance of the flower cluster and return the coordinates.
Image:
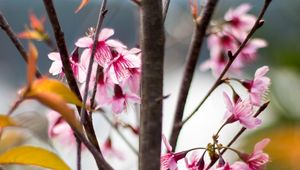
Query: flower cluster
(118, 70)
(228, 36)
(224, 38)
(119, 76)
(253, 161)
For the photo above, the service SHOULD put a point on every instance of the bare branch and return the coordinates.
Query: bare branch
(192, 57)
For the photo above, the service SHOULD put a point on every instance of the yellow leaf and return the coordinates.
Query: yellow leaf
(33, 35)
(55, 87)
(6, 121)
(58, 104)
(32, 57)
(82, 4)
(28, 155)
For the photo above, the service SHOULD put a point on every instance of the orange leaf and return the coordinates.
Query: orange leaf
(58, 104)
(36, 23)
(32, 57)
(82, 4)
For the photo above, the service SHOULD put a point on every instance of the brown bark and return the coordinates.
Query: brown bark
(152, 44)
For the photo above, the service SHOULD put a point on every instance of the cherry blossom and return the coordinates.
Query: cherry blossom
(103, 53)
(219, 44)
(257, 159)
(59, 129)
(258, 86)
(119, 68)
(193, 160)
(169, 160)
(238, 20)
(235, 166)
(77, 68)
(109, 150)
(241, 111)
(120, 99)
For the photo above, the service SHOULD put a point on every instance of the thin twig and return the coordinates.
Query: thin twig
(101, 163)
(15, 40)
(232, 57)
(78, 151)
(101, 16)
(260, 110)
(152, 45)
(192, 57)
(166, 8)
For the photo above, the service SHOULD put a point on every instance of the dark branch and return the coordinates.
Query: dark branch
(192, 57)
(152, 45)
(62, 48)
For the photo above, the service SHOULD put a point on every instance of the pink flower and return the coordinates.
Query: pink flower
(249, 52)
(56, 66)
(109, 150)
(219, 44)
(258, 86)
(60, 130)
(169, 160)
(236, 166)
(192, 162)
(133, 81)
(257, 159)
(119, 68)
(240, 111)
(103, 53)
(238, 20)
(120, 99)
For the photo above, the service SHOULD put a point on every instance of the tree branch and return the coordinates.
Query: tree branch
(192, 57)
(60, 41)
(152, 43)
(13, 37)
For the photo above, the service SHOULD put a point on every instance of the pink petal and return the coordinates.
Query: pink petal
(54, 56)
(85, 58)
(118, 105)
(261, 71)
(84, 42)
(262, 144)
(56, 68)
(228, 102)
(133, 97)
(115, 44)
(134, 60)
(242, 9)
(105, 34)
(166, 142)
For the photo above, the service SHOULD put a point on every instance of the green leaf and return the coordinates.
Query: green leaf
(29, 155)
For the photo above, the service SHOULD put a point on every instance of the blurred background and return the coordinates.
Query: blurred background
(281, 31)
